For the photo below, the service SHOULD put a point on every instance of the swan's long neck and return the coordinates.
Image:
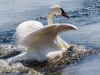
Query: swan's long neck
(49, 18)
(59, 40)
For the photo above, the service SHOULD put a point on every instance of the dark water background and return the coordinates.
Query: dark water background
(85, 14)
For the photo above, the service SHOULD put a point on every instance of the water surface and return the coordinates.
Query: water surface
(84, 14)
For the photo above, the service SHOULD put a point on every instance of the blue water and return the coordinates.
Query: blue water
(85, 14)
(82, 13)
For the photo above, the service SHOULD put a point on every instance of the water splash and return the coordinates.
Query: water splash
(75, 54)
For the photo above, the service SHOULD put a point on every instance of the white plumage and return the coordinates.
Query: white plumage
(24, 29)
(41, 42)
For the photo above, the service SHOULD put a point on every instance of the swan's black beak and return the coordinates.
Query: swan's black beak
(64, 13)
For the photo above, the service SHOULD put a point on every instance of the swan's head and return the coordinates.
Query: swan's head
(57, 10)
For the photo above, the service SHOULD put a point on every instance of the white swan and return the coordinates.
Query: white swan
(41, 42)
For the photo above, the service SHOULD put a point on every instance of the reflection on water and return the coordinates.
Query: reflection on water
(85, 14)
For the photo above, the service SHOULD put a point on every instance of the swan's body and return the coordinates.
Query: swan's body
(41, 42)
(24, 29)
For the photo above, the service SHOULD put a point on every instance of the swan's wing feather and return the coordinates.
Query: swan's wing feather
(29, 39)
(63, 27)
(52, 29)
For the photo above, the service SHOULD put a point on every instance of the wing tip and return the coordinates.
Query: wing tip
(70, 25)
(73, 26)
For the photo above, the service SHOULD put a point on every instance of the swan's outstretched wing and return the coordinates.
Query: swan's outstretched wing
(53, 29)
(60, 28)
(63, 27)
(36, 34)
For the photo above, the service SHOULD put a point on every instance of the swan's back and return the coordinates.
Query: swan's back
(23, 30)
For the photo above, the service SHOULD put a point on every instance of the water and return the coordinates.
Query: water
(89, 66)
(84, 14)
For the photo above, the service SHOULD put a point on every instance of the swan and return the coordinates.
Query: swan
(41, 42)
